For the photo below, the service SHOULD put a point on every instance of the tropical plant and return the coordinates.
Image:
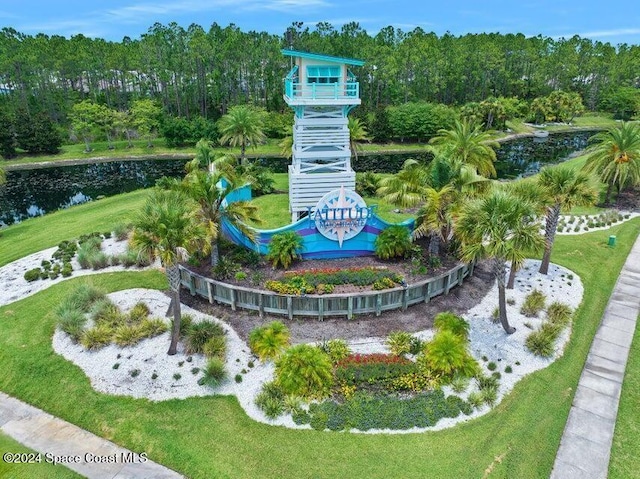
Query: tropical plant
(242, 126)
(564, 188)
(466, 142)
(435, 217)
(200, 333)
(393, 242)
(615, 157)
(399, 342)
(284, 248)
(268, 341)
(495, 227)
(447, 321)
(533, 303)
(168, 221)
(305, 371)
(447, 354)
(407, 187)
(367, 183)
(357, 134)
(337, 349)
(215, 371)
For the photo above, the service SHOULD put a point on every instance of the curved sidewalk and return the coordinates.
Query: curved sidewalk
(585, 447)
(47, 434)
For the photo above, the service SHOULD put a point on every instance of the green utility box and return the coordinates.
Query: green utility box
(612, 241)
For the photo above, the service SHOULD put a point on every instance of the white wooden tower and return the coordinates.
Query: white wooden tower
(321, 91)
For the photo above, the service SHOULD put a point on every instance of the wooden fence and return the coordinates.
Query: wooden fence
(316, 305)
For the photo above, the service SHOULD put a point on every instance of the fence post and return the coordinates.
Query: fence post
(405, 298)
(261, 305)
(210, 291)
(427, 293)
(320, 309)
(350, 307)
(233, 299)
(460, 275)
(378, 304)
(290, 306)
(471, 266)
(192, 285)
(447, 284)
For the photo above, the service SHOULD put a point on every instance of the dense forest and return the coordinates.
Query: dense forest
(195, 72)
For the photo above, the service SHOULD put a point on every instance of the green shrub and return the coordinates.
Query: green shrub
(105, 313)
(367, 183)
(98, 260)
(268, 341)
(337, 349)
(559, 314)
(238, 378)
(32, 275)
(305, 371)
(72, 321)
(271, 400)
(134, 373)
(492, 366)
(215, 347)
(284, 248)
(487, 382)
(541, 342)
(139, 312)
(399, 342)
(85, 295)
(225, 268)
(459, 384)
(363, 369)
(215, 372)
(417, 345)
(186, 321)
(533, 303)
(489, 396)
(151, 327)
(508, 370)
(450, 322)
(475, 399)
(240, 276)
(199, 333)
(447, 354)
(121, 231)
(128, 335)
(393, 242)
(96, 337)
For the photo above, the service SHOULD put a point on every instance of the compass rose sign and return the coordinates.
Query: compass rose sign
(341, 214)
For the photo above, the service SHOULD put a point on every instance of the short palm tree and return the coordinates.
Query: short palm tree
(435, 217)
(169, 221)
(466, 142)
(408, 187)
(495, 227)
(616, 157)
(357, 134)
(563, 188)
(210, 191)
(242, 126)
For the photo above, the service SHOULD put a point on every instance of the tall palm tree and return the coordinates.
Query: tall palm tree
(435, 217)
(169, 221)
(242, 126)
(616, 157)
(495, 227)
(211, 193)
(563, 188)
(466, 142)
(357, 134)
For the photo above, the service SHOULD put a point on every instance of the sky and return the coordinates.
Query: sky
(613, 21)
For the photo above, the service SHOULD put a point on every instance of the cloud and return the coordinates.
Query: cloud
(611, 33)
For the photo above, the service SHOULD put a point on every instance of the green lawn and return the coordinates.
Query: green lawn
(33, 469)
(212, 437)
(625, 452)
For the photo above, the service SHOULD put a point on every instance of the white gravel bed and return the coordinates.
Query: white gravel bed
(14, 287)
(583, 226)
(487, 339)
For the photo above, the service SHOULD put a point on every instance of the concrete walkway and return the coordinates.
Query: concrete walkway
(44, 433)
(585, 447)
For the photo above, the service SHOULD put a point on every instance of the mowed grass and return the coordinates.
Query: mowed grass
(34, 469)
(213, 437)
(625, 452)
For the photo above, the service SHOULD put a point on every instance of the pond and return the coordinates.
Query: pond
(30, 193)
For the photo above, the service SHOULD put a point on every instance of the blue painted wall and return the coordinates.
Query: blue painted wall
(315, 245)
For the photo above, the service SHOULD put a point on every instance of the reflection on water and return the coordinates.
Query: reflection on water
(30, 193)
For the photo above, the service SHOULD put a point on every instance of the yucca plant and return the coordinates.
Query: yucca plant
(305, 371)
(268, 341)
(284, 248)
(393, 242)
(450, 322)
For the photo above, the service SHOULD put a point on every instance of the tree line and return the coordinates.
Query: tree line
(195, 72)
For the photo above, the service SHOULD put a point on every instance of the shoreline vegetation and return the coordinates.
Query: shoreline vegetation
(72, 155)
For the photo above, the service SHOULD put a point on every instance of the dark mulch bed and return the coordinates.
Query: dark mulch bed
(629, 200)
(415, 318)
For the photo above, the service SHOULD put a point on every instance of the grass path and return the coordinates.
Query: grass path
(212, 437)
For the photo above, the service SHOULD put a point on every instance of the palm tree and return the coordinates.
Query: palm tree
(435, 217)
(616, 157)
(211, 192)
(408, 187)
(467, 143)
(357, 133)
(242, 126)
(495, 227)
(563, 188)
(169, 221)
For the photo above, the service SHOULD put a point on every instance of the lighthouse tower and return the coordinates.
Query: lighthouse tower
(321, 91)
